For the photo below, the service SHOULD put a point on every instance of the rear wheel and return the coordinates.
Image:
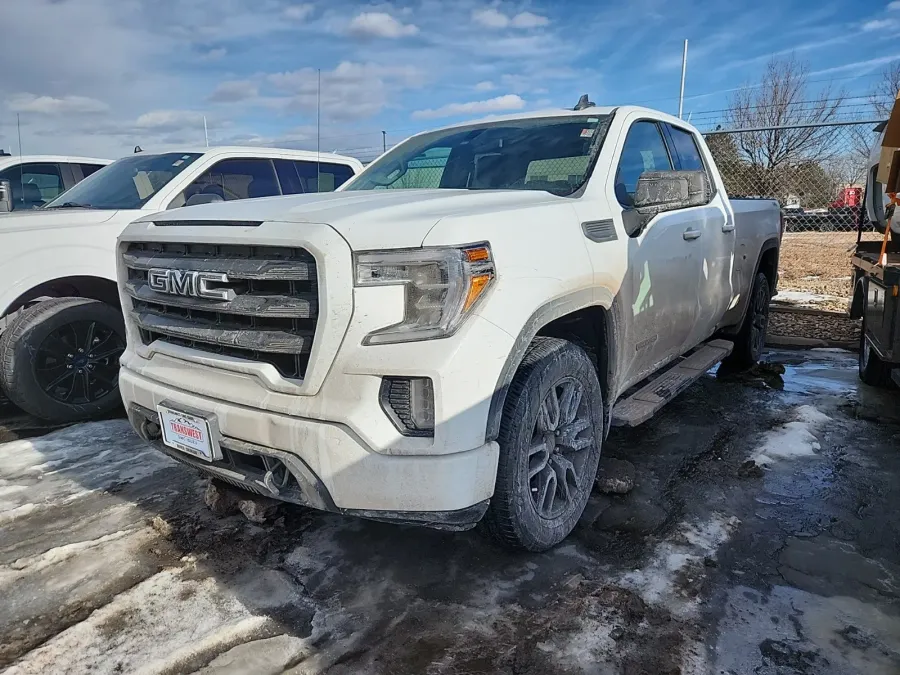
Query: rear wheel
(550, 439)
(751, 340)
(59, 359)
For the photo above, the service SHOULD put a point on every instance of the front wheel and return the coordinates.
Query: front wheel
(59, 359)
(550, 440)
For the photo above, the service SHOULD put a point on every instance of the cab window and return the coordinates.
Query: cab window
(644, 150)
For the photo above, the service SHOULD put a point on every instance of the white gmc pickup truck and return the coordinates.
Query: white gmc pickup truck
(61, 330)
(450, 335)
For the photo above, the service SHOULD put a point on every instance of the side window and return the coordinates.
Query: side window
(689, 158)
(88, 169)
(287, 176)
(644, 150)
(322, 177)
(34, 185)
(234, 179)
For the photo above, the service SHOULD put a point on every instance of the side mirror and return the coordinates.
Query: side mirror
(661, 191)
(201, 198)
(6, 201)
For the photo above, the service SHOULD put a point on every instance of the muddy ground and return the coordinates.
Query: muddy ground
(762, 536)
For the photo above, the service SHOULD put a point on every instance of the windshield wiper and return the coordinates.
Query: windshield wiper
(70, 205)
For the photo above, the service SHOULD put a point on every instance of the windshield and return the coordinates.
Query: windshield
(126, 184)
(553, 154)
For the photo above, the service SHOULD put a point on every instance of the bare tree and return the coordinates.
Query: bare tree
(785, 126)
(780, 102)
(882, 100)
(884, 93)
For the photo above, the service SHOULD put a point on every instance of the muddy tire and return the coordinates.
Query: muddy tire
(59, 359)
(872, 370)
(751, 339)
(550, 441)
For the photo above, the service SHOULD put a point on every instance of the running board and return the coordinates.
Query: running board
(646, 402)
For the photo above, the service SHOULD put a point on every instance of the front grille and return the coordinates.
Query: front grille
(271, 318)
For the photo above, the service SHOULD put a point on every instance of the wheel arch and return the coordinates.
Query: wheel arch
(858, 303)
(74, 286)
(577, 318)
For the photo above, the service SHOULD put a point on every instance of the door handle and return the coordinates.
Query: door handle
(690, 235)
(728, 227)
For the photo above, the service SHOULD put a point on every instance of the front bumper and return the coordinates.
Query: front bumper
(330, 467)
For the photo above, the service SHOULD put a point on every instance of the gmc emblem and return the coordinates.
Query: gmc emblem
(191, 284)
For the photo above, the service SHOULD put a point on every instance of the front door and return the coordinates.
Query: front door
(659, 296)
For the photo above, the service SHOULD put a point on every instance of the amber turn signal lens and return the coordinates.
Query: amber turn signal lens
(476, 288)
(479, 254)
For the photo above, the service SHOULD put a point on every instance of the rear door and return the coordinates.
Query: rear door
(660, 290)
(716, 224)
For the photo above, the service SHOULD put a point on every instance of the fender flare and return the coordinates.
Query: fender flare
(768, 245)
(542, 316)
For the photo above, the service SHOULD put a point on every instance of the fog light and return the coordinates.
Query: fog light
(409, 402)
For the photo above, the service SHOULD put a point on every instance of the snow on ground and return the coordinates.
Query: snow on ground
(804, 299)
(161, 624)
(678, 563)
(793, 439)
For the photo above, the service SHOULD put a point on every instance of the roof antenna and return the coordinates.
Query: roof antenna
(584, 102)
(138, 149)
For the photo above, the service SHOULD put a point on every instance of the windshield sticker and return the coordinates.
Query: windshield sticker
(593, 120)
(178, 163)
(587, 133)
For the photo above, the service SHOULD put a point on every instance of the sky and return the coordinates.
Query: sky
(97, 77)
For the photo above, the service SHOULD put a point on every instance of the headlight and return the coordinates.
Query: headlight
(442, 285)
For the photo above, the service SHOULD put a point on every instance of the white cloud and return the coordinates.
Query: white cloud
(879, 24)
(858, 67)
(214, 54)
(529, 20)
(299, 12)
(490, 18)
(493, 105)
(894, 5)
(168, 120)
(49, 105)
(487, 85)
(350, 91)
(380, 24)
(233, 91)
(493, 18)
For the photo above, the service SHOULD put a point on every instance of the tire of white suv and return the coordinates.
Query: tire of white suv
(550, 442)
(59, 359)
(751, 340)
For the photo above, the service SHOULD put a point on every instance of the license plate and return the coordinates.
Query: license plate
(189, 433)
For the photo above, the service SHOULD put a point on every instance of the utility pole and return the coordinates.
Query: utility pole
(683, 73)
(21, 162)
(318, 124)
(205, 131)
(384, 141)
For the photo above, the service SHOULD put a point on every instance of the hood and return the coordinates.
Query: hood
(368, 219)
(36, 219)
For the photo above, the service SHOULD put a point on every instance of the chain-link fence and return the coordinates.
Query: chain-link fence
(818, 175)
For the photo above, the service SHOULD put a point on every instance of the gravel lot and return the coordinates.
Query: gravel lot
(817, 264)
(762, 535)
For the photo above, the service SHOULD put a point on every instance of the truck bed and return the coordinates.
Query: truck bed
(866, 259)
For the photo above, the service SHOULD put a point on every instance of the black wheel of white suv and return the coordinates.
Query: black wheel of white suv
(59, 359)
(550, 441)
